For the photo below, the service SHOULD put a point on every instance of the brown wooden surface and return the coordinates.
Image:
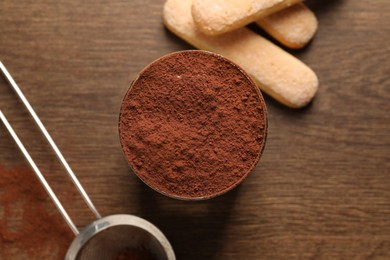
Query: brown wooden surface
(322, 188)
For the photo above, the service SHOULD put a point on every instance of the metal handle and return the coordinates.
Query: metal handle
(53, 146)
(39, 174)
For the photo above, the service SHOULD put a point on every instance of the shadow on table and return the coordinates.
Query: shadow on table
(322, 7)
(195, 228)
(272, 104)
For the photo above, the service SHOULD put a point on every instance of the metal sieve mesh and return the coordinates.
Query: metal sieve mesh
(106, 238)
(113, 241)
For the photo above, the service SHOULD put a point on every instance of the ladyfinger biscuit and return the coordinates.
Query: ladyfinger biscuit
(215, 17)
(276, 72)
(293, 27)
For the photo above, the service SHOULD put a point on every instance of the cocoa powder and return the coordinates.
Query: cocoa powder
(30, 226)
(192, 125)
(135, 253)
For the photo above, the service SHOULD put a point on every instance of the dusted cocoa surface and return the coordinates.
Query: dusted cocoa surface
(192, 125)
(29, 228)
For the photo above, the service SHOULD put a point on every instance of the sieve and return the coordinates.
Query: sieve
(106, 237)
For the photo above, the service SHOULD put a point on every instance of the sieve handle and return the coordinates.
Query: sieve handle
(49, 140)
(39, 175)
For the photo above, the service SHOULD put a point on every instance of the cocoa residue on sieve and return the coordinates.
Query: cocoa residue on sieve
(135, 253)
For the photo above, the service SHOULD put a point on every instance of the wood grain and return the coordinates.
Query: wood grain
(322, 188)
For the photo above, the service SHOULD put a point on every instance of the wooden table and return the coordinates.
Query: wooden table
(322, 187)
